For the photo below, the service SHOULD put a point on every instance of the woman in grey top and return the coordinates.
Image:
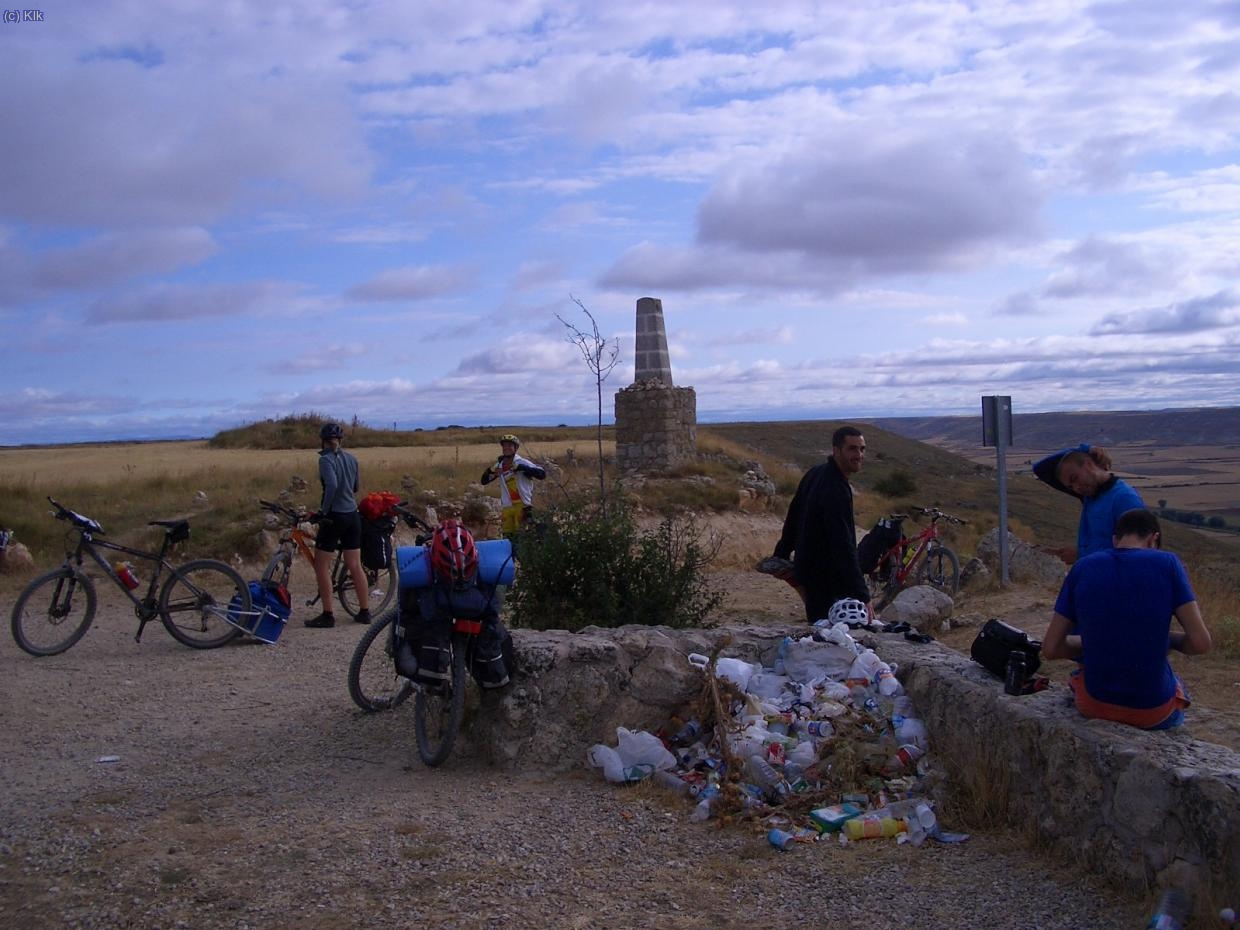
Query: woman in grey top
(340, 526)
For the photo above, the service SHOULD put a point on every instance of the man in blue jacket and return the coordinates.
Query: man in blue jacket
(1085, 473)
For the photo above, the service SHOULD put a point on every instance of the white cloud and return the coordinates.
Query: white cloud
(170, 302)
(413, 282)
(1201, 314)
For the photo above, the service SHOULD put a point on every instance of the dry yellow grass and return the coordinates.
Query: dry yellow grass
(46, 469)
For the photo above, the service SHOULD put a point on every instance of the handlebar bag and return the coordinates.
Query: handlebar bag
(997, 641)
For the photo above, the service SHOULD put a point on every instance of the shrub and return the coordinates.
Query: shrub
(581, 566)
(898, 484)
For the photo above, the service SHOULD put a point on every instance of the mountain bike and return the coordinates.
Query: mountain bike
(374, 683)
(921, 559)
(56, 609)
(293, 540)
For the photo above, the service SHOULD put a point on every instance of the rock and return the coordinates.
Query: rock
(923, 607)
(408, 484)
(16, 559)
(974, 574)
(1026, 563)
(297, 484)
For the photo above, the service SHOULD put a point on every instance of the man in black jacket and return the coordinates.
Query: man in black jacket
(819, 532)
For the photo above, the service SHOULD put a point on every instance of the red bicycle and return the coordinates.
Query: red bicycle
(921, 559)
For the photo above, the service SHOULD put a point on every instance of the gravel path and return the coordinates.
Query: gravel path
(250, 793)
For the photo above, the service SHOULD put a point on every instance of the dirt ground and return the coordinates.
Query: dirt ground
(248, 792)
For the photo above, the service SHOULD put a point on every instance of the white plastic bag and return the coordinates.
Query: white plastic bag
(736, 671)
(644, 750)
(807, 659)
(604, 757)
(766, 684)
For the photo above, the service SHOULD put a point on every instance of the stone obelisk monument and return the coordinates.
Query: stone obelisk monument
(656, 422)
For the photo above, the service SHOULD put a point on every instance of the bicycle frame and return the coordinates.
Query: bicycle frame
(908, 551)
(145, 607)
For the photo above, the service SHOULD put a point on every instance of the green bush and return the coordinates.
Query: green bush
(898, 484)
(582, 567)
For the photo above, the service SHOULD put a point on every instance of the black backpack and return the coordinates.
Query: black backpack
(997, 641)
(377, 542)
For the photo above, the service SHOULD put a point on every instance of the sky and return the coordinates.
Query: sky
(215, 213)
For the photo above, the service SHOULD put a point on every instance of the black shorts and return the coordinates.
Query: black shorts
(339, 531)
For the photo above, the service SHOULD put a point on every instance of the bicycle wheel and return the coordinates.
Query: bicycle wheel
(373, 681)
(195, 601)
(941, 569)
(51, 614)
(438, 710)
(382, 585)
(884, 583)
(279, 566)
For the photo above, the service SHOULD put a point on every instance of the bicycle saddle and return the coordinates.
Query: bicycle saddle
(177, 529)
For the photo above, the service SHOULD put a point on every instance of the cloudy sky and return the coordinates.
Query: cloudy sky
(212, 213)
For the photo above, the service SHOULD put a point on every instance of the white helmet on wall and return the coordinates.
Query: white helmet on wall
(848, 610)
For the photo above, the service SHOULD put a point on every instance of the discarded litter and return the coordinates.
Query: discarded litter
(108, 759)
(823, 744)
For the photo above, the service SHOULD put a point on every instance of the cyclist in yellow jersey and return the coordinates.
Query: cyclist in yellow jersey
(516, 484)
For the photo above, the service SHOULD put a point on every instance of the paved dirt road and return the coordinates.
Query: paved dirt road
(250, 793)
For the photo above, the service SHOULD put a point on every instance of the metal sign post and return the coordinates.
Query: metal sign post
(997, 432)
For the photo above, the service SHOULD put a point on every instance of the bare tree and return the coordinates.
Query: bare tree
(600, 356)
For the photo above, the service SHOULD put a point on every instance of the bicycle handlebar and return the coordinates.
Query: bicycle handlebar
(78, 520)
(935, 514)
(412, 520)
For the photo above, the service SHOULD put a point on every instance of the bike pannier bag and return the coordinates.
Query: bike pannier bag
(269, 611)
(886, 533)
(997, 641)
(493, 657)
(377, 542)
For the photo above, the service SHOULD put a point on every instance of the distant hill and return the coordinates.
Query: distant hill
(1195, 426)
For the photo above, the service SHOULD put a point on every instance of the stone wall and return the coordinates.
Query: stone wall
(1144, 809)
(656, 426)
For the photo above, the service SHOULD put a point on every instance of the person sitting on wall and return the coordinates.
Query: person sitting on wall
(1112, 615)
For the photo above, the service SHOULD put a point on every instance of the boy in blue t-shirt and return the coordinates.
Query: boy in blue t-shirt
(1112, 614)
(1085, 473)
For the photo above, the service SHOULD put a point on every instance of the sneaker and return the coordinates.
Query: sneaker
(323, 621)
(362, 616)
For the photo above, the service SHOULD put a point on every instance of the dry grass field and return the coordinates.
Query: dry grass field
(48, 469)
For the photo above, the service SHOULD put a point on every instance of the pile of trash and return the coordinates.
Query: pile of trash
(822, 744)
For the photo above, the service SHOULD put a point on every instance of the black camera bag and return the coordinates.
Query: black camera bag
(997, 641)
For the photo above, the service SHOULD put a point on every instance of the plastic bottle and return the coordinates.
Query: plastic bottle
(702, 811)
(870, 827)
(819, 729)
(912, 730)
(1014, 680)
(1173, 909)
(766, 777)
(666, 779)
(904, 757)
(691, 732)
(124, 571)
